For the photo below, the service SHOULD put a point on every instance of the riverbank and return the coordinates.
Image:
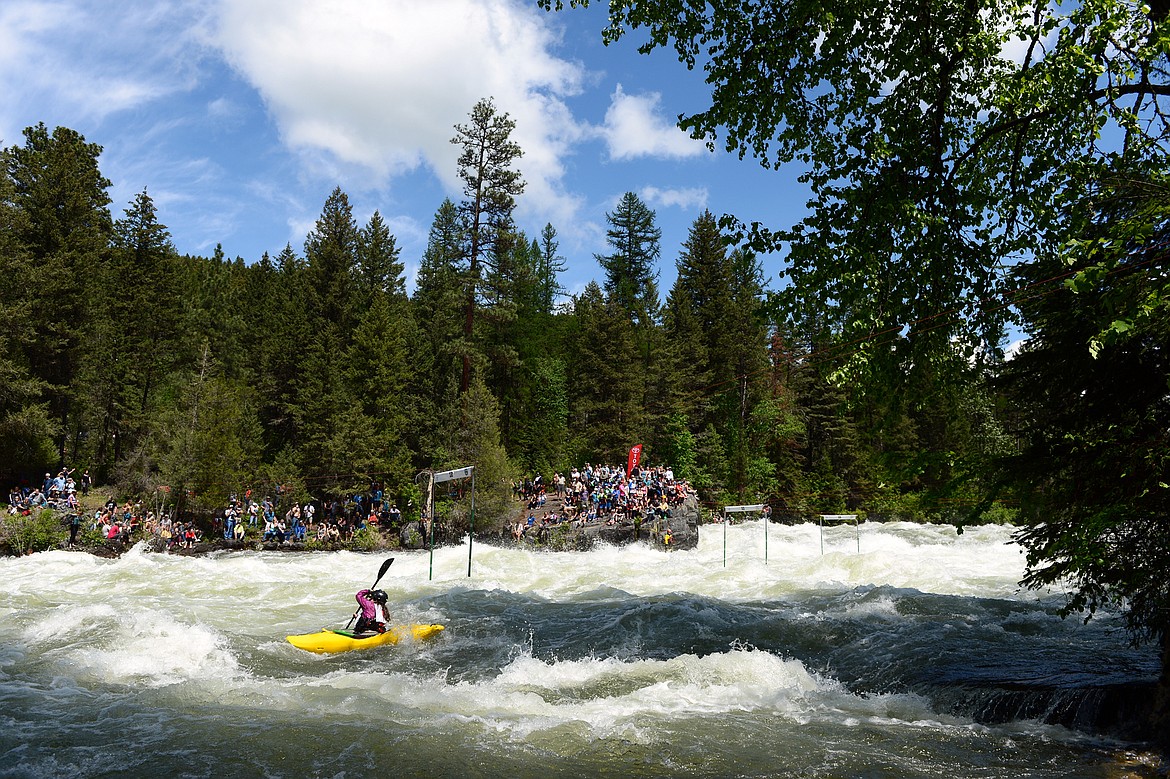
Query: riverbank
(678, 529)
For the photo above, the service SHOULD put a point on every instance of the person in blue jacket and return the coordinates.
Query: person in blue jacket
(374, 615)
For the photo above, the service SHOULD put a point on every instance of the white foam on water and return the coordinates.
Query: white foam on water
(104, 644)
(982, 561)
(881, 607)
(159, 619)
(193, 638)
(597, 698)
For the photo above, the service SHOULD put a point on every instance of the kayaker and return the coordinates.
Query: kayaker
(373, 606)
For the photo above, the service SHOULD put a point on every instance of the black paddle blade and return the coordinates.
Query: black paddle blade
(382, 571)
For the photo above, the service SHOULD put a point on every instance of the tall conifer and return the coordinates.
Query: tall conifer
(59, 189)
(490, 187)
(607, 383)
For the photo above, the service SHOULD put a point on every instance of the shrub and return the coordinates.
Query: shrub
(368, 539)
(998, 514)
(36, 532)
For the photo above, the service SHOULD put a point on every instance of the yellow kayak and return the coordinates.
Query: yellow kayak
(328, 642)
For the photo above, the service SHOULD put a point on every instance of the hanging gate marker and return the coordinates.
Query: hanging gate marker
(754, 508)
(445, 476)
(839, 518)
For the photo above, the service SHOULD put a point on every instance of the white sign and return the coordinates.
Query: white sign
(458, 473)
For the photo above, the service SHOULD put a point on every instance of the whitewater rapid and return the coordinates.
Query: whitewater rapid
(619, 661)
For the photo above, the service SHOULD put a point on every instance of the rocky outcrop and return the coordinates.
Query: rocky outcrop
(678, 530)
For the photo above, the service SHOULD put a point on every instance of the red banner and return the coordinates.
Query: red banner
(632, 462)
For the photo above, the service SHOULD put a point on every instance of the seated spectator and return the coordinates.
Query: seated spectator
(271, 530)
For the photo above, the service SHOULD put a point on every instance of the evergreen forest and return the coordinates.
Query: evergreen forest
(312, 368)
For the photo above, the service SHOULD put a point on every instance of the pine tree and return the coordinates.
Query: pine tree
(507, 305)
(631, 279)
(133, 337)
(278, 311)
(324, 406)
(65, 227)
(738, 351)
(437, 305)
(472, 433)
(209, 441)
(145, 258)
(26, 431)
(718, 338)
(607, 383)
(331, 253)
(379, 371)
(549, 267)
(631, 283)
(379, 268)
(696, 311)
(490, 187)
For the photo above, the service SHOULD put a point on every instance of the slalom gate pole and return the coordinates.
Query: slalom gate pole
(431, 572)
(471, 527)
(764, 519)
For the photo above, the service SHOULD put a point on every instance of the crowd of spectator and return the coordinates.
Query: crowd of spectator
(326, 521)
(591, 495)
(247, 517)
(54, 492)
(600, 495)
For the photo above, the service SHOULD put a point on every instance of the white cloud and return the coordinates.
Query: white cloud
(86, 61)
(378, 88)
(21, 23)
(634, 128)
(689, 198)
(221, 108)
(186, 97)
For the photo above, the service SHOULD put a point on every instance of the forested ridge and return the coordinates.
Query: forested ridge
(313, 369)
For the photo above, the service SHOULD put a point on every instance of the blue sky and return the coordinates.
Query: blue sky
(239, 117)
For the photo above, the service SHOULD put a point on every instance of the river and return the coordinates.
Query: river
(750, 656)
